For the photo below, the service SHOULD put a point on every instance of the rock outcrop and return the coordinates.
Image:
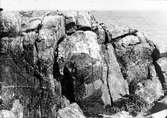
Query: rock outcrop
(49, 59)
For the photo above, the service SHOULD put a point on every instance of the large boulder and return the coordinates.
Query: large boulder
(134, 53)
(83, 62)
(90, 77)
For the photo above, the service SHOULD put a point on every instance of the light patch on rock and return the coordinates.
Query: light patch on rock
(7, 114)
(17, 109)
(161, 114)
(122, 114)
(72, 111)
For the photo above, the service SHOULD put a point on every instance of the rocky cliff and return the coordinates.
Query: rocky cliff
(51, 60)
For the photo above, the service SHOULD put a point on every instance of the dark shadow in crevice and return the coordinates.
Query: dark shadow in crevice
(1, 9)
(149, 73)
(124, 35)
(160, 75)
(70, 28)
(84, 28)
(156, 54)
(67, 85)
(69, 25)
(107, 37)
(132, 87)
(56, 72)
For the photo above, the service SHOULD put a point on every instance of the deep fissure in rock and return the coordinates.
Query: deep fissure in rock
(67, 85)
(161, 77)
(107, 77)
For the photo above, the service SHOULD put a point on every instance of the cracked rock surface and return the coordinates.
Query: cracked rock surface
(65, 64)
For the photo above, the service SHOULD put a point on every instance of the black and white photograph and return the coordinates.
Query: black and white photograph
(83, 58)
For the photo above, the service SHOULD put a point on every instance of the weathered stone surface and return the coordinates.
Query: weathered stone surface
(7, 114)
(64, 102)
(17, 108)
(161, 66)
(72, 111)
(84, 19)
(101, 34)
(131, 103)
(150, 90)
(81, 54)
(34, 48)
(134, 53)
(17, 81)
(91, 76)
(27, 47)
(114, 79)
(10, 23)
(117, 30)
(15, 112)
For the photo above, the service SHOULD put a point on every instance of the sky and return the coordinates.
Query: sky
(84, 4)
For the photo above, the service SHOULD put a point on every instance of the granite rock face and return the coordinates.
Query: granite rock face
(27, 59)
(49, 59)
(91, 73)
